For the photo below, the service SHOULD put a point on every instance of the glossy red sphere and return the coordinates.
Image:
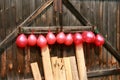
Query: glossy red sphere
(69, 39)
(50, 37)
(41, 41)
(60, 38)
(32, 40)
(88, 36)
(99, 40)
(21, 41)
(77, 38)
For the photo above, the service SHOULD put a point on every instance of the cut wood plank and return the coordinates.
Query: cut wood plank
(46, 63)
(67, 66)
(35, 71)
(73, 62)
(55, 67)
(81, 62)
(62, 75)
(74, 68)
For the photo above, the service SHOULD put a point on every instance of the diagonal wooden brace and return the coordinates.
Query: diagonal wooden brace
(85, 22)
(14, 33)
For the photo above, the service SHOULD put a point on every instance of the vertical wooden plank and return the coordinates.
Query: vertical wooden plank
(13, 14)
(32, 8)
(18, 11)
(81, 62)
(25, 8)
(71, 53)
(20, 62)
(112, 31)
(49, 16)
(43, 17)
(118, 26)
(58, 63)
(119, 32)
(66, 16)
(99, 19)
(38, 19)
(3, 65)
(35, 71)
(14, 55)
(46, 63)
(32, 5)
(105, 29)
(67, 64)
(2, 36)
(9, 28)
(27, 62)
(62, 75)
(10, 58)
(36, 57)
(54, 61)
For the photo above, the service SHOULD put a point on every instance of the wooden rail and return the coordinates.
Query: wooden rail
(54, 29)
(105, 72)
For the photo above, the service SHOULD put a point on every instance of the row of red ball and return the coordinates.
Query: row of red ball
(77, 38)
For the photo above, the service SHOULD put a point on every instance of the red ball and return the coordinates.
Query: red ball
(32, 40)
(21, 41)
(99, 40)
(60, 38)
(77, 38)
(69, 39)
(50, 37)
(41, 41)
(88, 36)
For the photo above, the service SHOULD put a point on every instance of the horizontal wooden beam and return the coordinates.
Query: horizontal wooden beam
(106, 72)
(54, 29)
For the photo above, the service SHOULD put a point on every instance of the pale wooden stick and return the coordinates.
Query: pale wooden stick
(46, 63)
(62, 75)
(55, 67)
(81, 62)
(35, 71)
(67, 66)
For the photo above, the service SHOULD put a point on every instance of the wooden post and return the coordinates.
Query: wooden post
(35, 71)
(81, 62)
(47, 63)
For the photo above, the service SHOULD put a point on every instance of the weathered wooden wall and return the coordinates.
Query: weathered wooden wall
(14, 62)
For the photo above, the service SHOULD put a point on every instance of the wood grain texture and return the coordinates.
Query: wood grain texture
(81, 62)
(35, 71)
(46, 63)
(67, 65)
(103, 14)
